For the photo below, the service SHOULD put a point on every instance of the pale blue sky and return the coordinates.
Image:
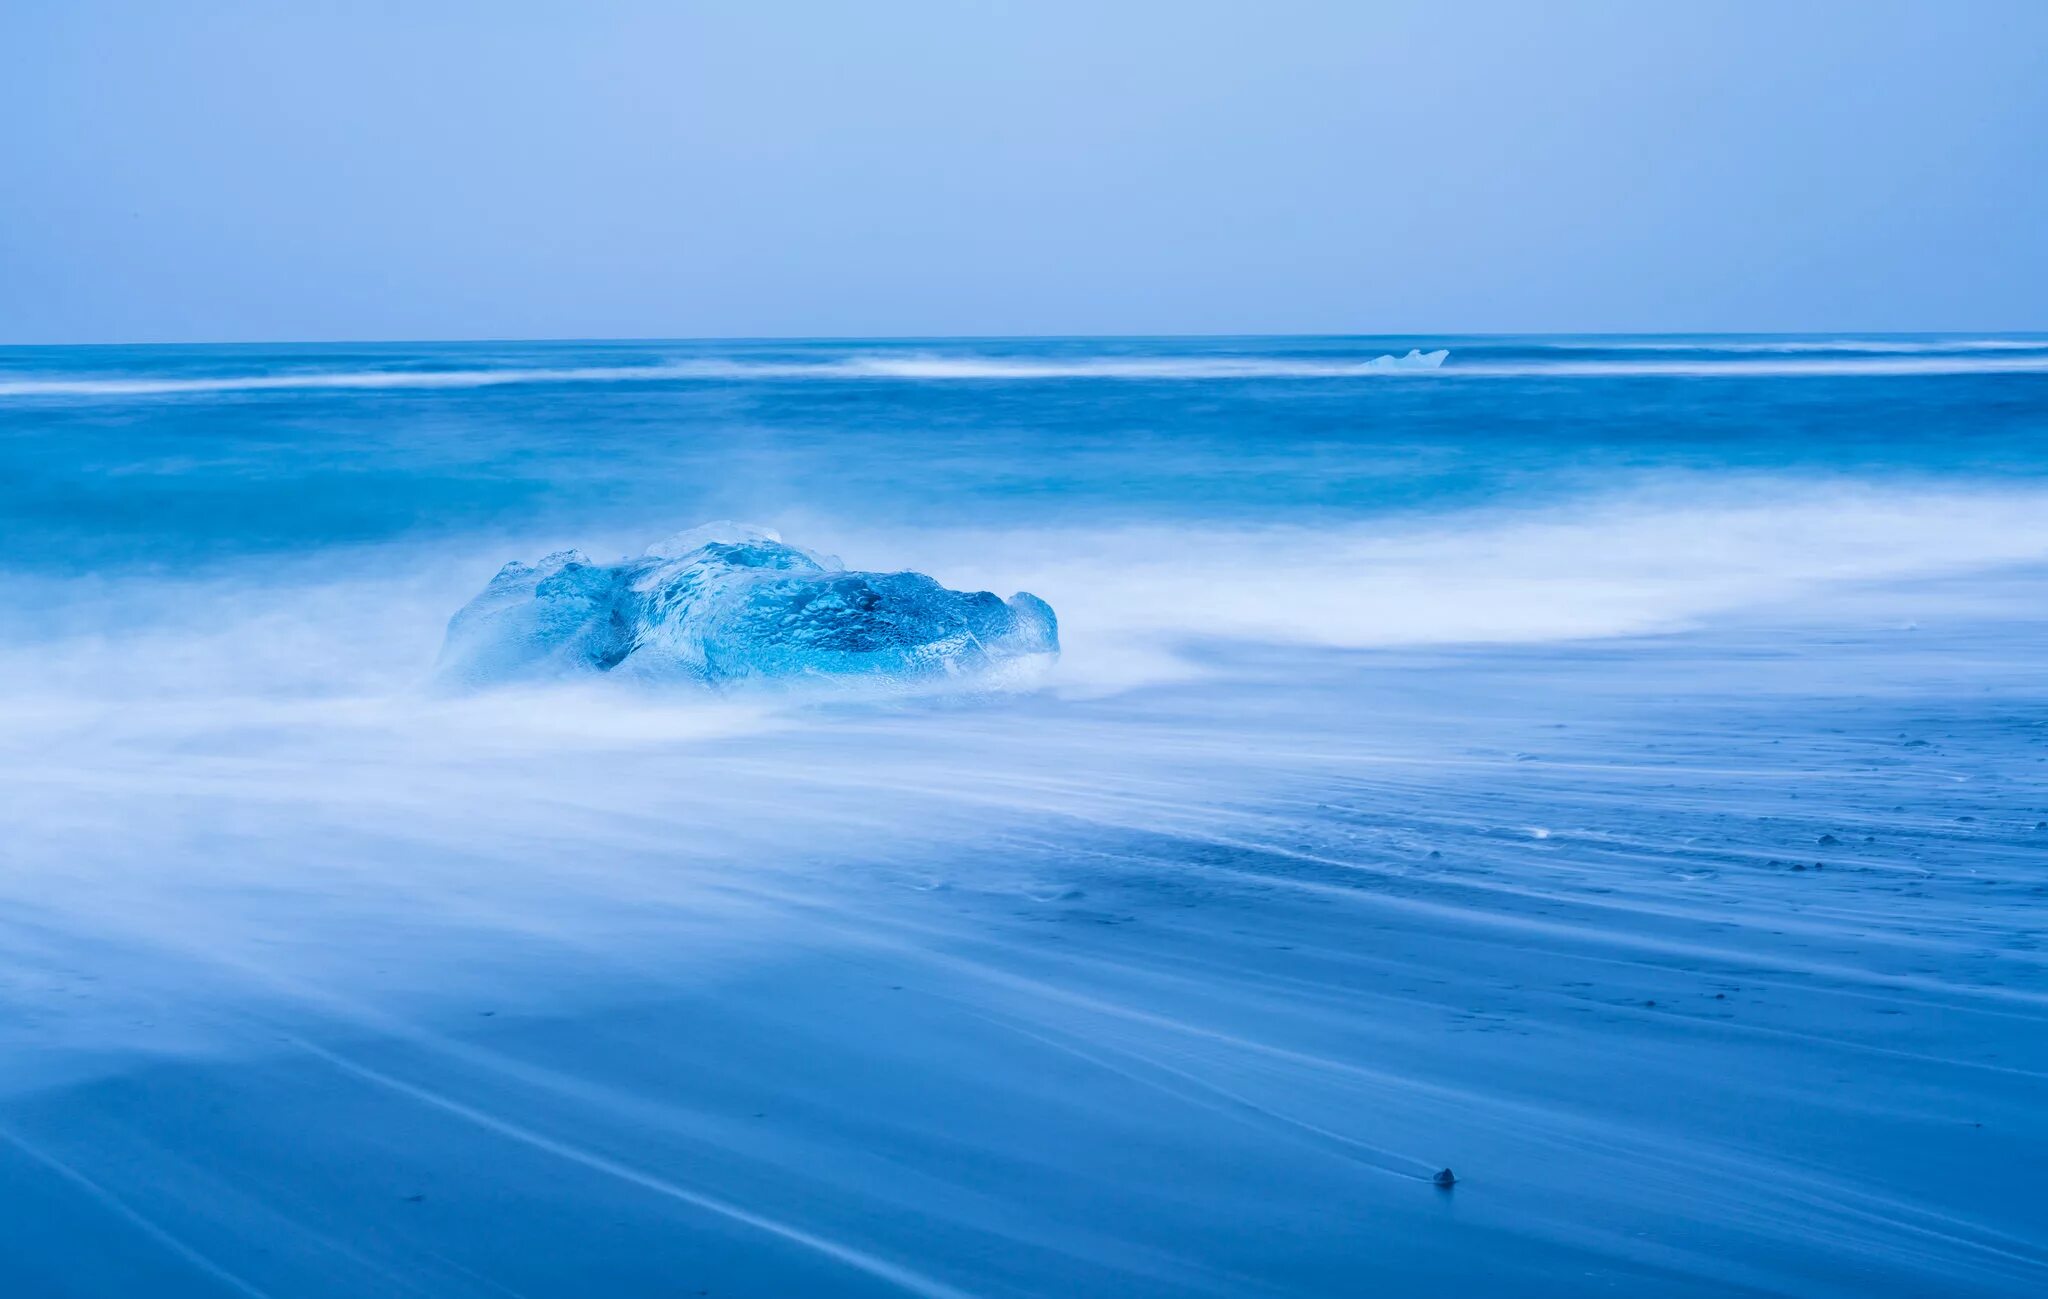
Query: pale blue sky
(315, 170)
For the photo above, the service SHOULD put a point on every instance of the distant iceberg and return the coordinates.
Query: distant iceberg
(725, 603)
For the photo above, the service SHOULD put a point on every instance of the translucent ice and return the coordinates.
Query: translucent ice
(726, 602)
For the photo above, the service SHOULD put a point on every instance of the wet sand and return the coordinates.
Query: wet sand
(1711, 964)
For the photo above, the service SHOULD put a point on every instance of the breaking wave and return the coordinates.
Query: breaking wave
(856, 367)
(1790, 367)
(1604, 359)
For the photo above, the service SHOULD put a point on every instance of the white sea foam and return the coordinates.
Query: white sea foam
(1789, 367)
(75, 386)
(1164, 367)
(1732, 359)
(1847, 344)
(932, 367)
(1657, 559)
(1662, 557)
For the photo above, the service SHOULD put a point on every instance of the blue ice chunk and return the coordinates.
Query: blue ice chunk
(560, 617)
(725, 603)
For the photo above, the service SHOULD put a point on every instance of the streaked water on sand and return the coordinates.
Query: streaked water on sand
(1616, 770)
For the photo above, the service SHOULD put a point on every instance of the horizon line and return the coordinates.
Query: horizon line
(1028, 337)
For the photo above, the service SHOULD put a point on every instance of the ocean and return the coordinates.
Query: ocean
(1612, 769)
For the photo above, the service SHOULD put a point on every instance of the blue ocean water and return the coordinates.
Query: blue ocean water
(140, 455)
(1615, 769)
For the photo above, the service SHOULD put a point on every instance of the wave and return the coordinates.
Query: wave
(1165, 367)
(1671, 554)
(1721, 361)
(857, 367)
(158, 387)
(1674, 553)
(1788, 367)
(1846, 345)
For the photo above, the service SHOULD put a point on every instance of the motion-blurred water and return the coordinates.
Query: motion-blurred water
(1611, 768)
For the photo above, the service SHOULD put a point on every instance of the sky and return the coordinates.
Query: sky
(211, 171)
